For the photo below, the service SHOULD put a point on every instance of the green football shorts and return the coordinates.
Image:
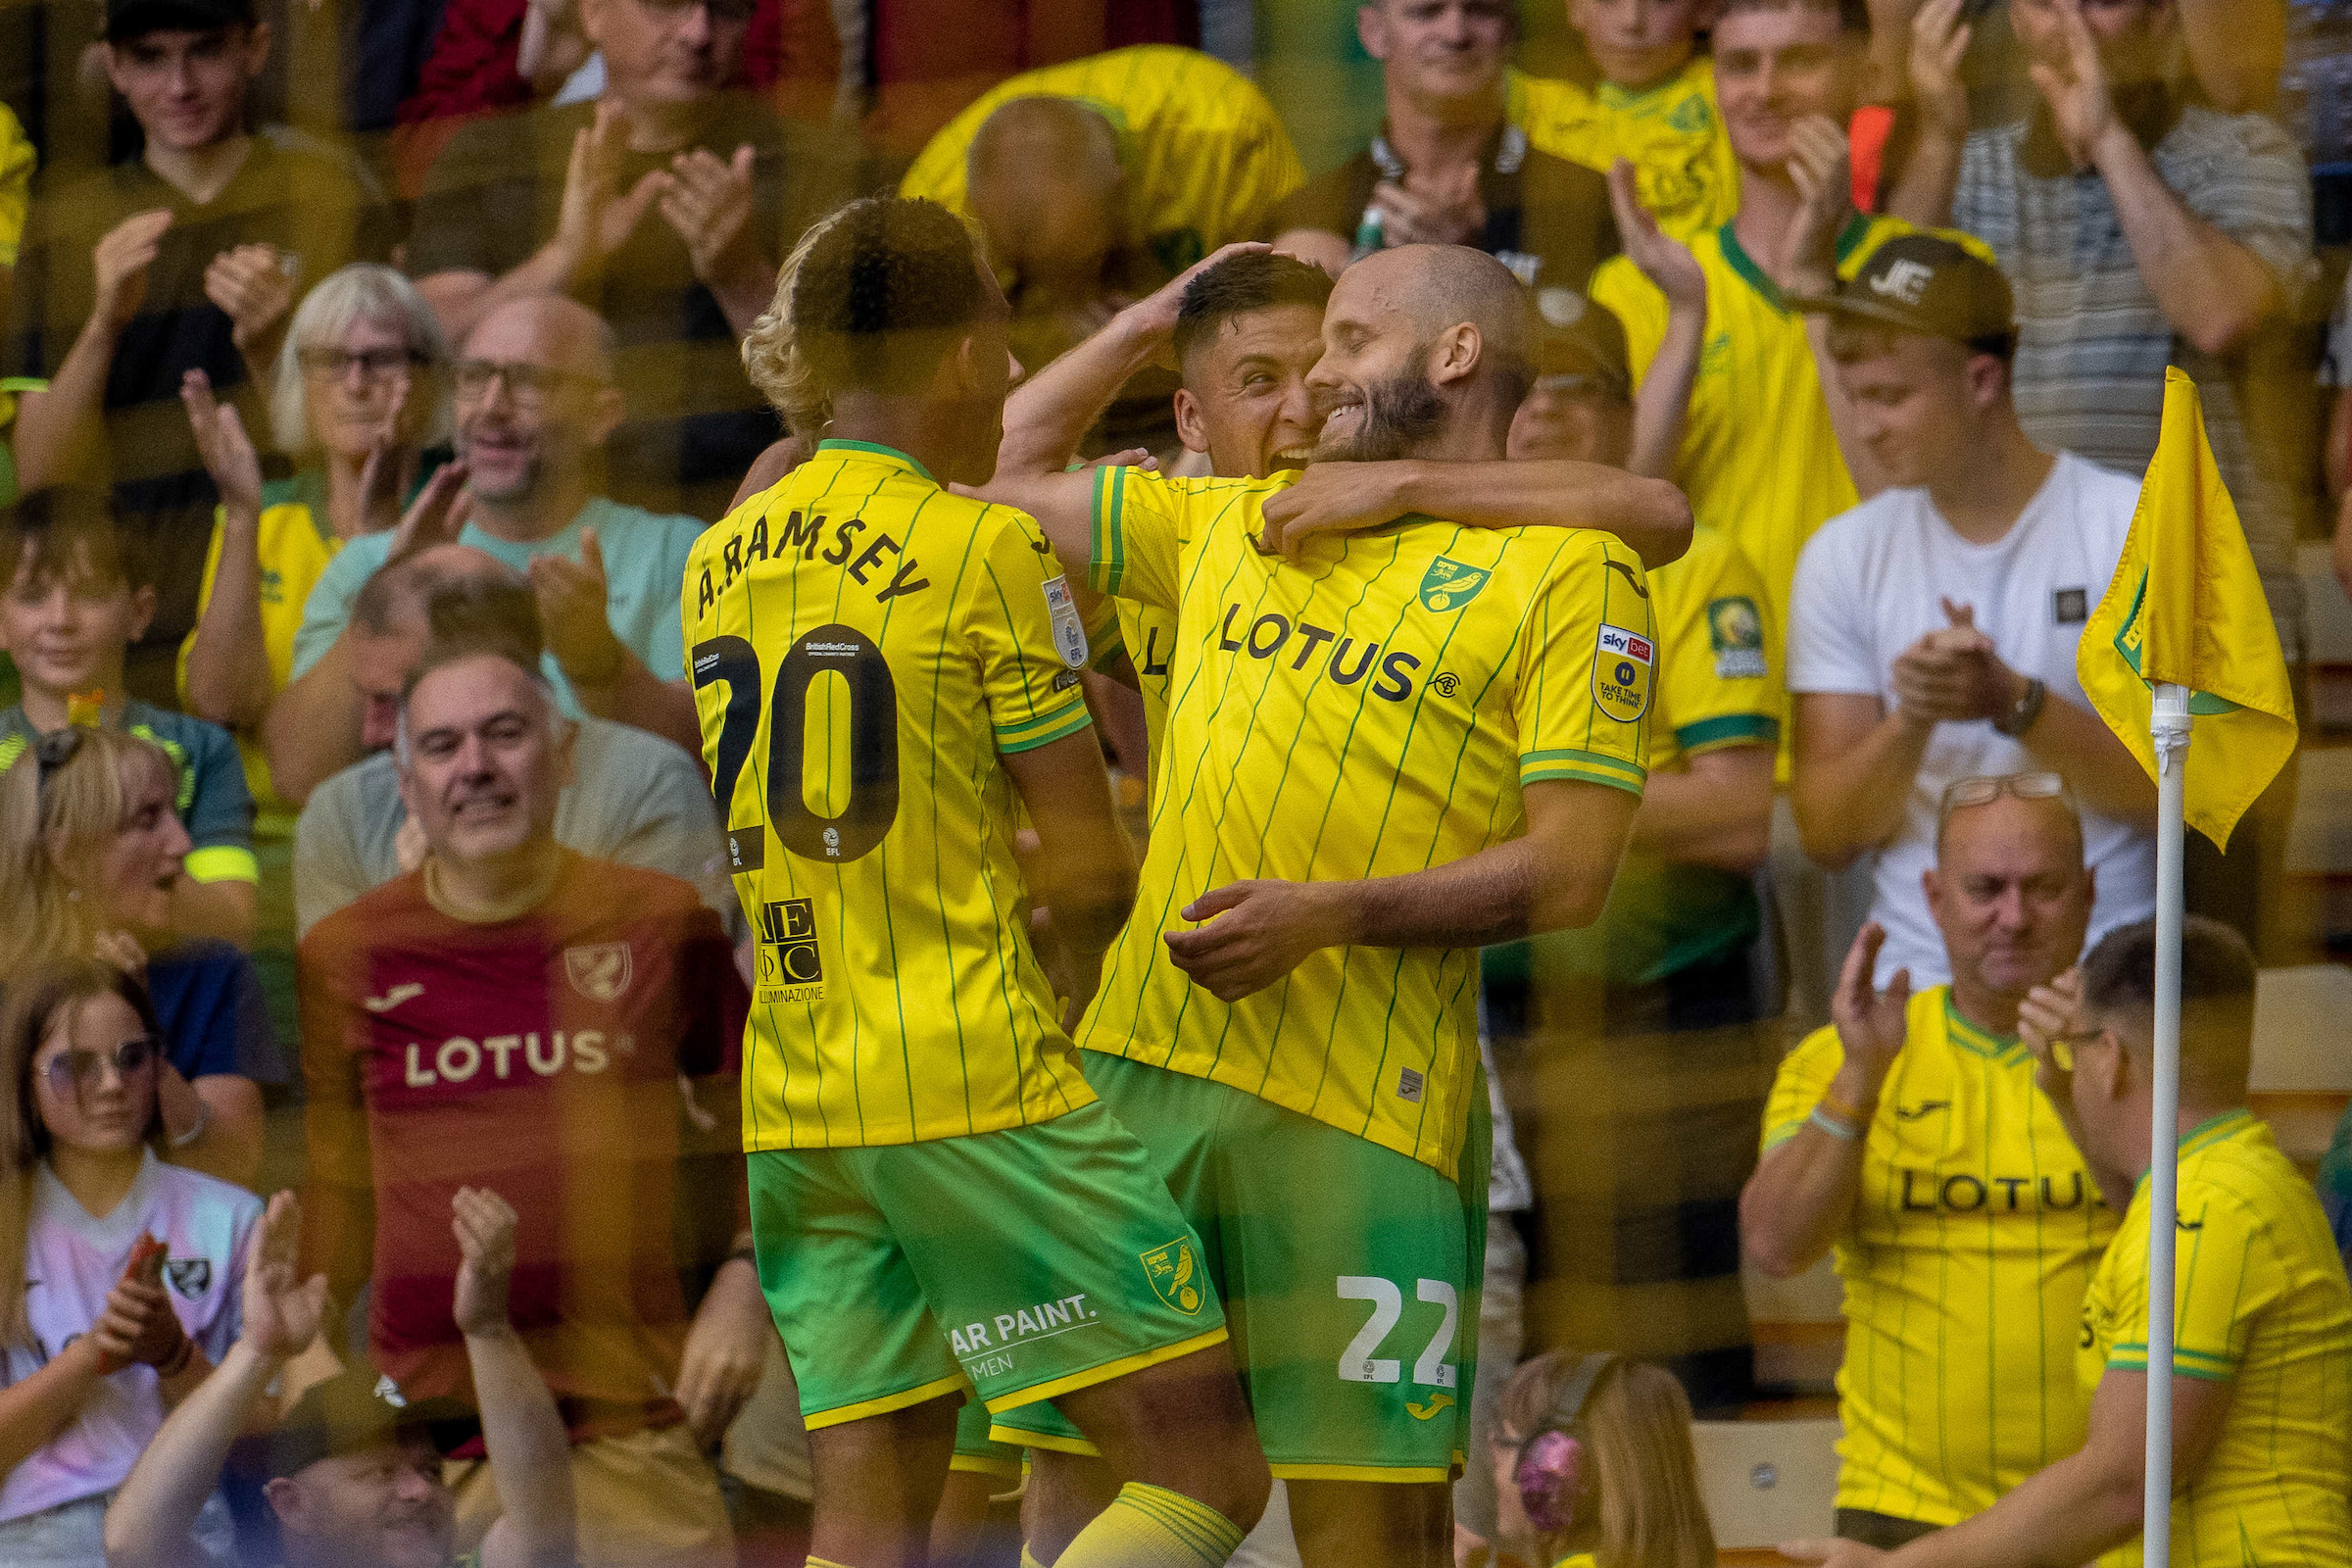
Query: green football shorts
(1347, 1270)
(1017, 1264)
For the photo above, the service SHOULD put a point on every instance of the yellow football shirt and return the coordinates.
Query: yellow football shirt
(1672, 132)
(2259, 1302)
(1373, 712)
(1205, 152)
(1965, 1264)
(295, 545)
(16, 200)
(863, 644)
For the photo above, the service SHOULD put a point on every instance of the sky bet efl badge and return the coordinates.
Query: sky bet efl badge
(1621, 673)
(1069, 632)
(1449, 585)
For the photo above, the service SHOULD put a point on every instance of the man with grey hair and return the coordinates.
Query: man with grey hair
(535, 405)
(516, 1016)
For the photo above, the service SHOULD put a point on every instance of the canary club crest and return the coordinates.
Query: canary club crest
(1449, 585)
(1175, 1275)
(599, 971)
(1621, 664)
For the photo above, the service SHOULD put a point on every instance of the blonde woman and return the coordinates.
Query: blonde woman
(90, 849)
(1592, 1457)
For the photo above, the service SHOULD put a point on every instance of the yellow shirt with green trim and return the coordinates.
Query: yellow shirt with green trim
(2260, 1302)
(211, 802)
(1205, 152)
(863, 644)
(1965, 1263)
(1672, 132)
(16, 159)
(294, 545)
(1374, 711)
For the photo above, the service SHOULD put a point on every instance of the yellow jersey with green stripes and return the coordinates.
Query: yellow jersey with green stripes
(1672, 132)
(1205, 152)
(1965, 1263)
(2260, 1302)
(863, 645)
(1374, 711)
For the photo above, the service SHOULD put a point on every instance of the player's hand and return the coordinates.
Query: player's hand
(1153, 316)
(224, 447)
(1940, 40)
(596, 218)
(1821, 165)
(484, 1224)
(437, 515)
(1256, 932)
(1664, 260)
(572, 595)
(1871, 1023)
(2050, 1012)
(122, 258)
(1836, 1553)
(254, 288)
(2075, 86)
(282, 1310)
(726, 1350)
(709, 202)
(1330, 498)
(1447, 212)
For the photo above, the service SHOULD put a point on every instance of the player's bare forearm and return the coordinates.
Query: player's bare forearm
(1050, 413)
(1084, 867)
(1651, 516)
(1855, 762)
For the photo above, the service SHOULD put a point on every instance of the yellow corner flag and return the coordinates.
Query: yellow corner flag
(2186, 607)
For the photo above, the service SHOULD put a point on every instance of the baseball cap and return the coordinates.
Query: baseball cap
(128, 19)
(1577, 335)
(358, 1410)
(1929, 285)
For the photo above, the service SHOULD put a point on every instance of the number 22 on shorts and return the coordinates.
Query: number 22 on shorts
(1360, 1362)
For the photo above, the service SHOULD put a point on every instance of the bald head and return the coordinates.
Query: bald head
(1441, 286)
(394, 599)
(1427, 352)
(1045, 180)
(551, 330)
(442, 597)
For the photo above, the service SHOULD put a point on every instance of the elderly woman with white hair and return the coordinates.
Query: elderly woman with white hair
(359, 394)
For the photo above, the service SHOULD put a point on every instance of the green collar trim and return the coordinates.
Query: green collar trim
(1980, 1041)
(873, 449)
(2215, 1130)
(1849, 240)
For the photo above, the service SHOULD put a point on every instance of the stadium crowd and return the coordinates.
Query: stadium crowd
(837, 783)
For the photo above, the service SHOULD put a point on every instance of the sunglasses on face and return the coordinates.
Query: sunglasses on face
(75, 1072)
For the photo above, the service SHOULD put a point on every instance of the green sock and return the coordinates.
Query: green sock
(1151, 1527)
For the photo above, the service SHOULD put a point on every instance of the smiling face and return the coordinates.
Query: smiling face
(1636, 42)
(1776, 67)
(132, 880)
(1916, 402)
(66, 623)
(485, 764)
(86, 1099)
(2011, 895)
(384, 1505)
(1246, 400)
(1372, 381)
(1434, 52)
(549, 407)
(187, 89)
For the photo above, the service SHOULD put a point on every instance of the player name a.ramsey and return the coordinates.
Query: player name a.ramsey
(861, 559)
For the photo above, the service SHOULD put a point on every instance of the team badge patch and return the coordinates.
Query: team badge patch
(1449, 585)
(191, 1277)
(1621, 664)
(1069, 632)
(599, 971)
(1737, 634)
(1175, 1275)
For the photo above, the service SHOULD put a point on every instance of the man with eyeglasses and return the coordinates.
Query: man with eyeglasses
(1932, 628)
(535, 406)
(1911, 1136)
(663, 206)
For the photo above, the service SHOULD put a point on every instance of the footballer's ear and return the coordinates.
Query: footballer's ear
(1188, 427)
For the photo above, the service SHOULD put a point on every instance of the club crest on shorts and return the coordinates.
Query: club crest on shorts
(1449, 585)
(1174, 1271)
(599, 971)
(1621, 664)
(1069, 632)
(191, 1277)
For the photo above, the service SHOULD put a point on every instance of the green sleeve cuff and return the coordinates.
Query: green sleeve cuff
(1727, 729)
(1581, 767)
(1110, 562)
(1044, 729)
(222, 862)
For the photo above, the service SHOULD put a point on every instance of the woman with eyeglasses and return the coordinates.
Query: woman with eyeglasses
(89, 850)
(360, 397)
(101, 1331)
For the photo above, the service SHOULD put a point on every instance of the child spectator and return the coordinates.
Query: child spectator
(102, 1331)
(90, 858)
(74, 602)
(1594, 1461)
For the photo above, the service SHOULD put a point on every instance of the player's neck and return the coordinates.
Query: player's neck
(494, 887)
(1432, 135)
(98, 1178)
(921, 429)
(199, 174)
(1984, 493)
(2193, 1114)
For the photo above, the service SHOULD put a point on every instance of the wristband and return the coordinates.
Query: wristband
(1845, 1111)
(1841, 1131)
(204, 1119)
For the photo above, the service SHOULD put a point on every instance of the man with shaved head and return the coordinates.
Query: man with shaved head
(535, 405)
(1420, 738)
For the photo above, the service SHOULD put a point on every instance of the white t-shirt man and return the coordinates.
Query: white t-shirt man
(71, 1262)
(1873, 581)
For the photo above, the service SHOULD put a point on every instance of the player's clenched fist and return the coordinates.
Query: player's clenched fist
(1256, 932)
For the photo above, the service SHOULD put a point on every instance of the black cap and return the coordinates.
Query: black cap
(358, 1410)
(128, 19)
(1577, 335)
(1929, 285)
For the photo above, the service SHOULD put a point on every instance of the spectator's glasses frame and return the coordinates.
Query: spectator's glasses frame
(1986, 788)
(73, 1072)
(374, 364)
(736, 11)
(529, 385)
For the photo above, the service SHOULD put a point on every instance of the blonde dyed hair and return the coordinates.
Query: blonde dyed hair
(772, 359)
(52, 839)
(1644, 1493)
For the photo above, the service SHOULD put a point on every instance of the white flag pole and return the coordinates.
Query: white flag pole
(2168, 730)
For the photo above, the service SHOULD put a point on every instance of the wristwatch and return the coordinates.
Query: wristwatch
(2023, 711)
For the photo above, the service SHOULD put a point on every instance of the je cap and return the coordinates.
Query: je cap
(1928, 285)
(358, 1410)
(128, 19)
(1577, 335)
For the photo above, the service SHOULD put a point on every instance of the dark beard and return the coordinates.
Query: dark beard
(1400, 415)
